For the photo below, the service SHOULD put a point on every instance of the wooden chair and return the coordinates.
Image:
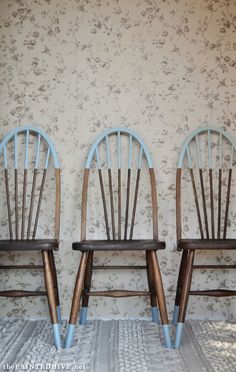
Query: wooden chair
(112, 157)
(25, 154)
(205, 165)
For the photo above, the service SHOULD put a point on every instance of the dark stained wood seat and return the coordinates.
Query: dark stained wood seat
(30, 169)
(26, 245)
(119, 184)
(121, 245)
(206, 244)
(205, 205)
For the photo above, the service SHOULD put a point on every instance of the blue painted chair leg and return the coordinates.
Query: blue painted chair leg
(57, 335)
(166, 333)
(155, 315)
(59, 314)
(179, 332)
(175, 315)
(83, 315)
(69, 335)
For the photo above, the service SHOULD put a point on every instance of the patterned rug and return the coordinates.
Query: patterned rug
(117, 346)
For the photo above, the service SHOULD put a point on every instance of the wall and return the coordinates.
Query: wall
(76, 67)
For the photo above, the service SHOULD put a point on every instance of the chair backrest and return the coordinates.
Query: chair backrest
(112, 156)
(26, 154)
(206, 160)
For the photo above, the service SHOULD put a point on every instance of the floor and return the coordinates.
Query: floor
(116, 346)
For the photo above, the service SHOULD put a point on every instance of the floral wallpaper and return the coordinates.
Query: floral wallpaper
(77, 67)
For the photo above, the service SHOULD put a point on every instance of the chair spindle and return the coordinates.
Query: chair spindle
(227, 203)
(112, 204)
(127, 203)
(104, 203)
(8, 204)
(219, 203)
(135, 203)
(32, 203)
(212, 204)
(119, 203)
(196, 202)
(204, 202)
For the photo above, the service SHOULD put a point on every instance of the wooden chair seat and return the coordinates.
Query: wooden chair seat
(206, 244)
(29, 245)
(121, 245)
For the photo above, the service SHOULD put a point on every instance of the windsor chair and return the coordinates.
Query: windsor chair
(205, 170)
(27, 156)
(112, 157)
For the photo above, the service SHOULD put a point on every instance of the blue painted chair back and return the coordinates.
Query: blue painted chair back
(118, 155)
(206, 163)
(118, 132)
(26, 154)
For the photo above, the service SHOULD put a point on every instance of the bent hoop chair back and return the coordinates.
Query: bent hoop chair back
(118, 201)
(30, 203)
(209, 156)
(203, 199)
(26, 154)
(116, 159)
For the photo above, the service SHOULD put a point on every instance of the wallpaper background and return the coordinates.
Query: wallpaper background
(76, 67)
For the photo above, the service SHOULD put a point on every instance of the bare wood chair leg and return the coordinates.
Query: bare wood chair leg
(54, 274)
(48, 275)
(181, 276)
(153, 299)
(87, 285)
(184, 298)
(161, 298)
(76, 299)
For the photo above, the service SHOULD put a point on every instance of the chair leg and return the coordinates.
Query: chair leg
(181, 276)
(184, 298)
(161, 299)
(54, 274)
(48, 275)
(76, 299)
(87, 285)
(153, 299)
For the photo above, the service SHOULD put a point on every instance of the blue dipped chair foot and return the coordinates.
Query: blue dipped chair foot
(69, 335)
(179, 333)
(167, 338)
(155, 315)
(57, 335)
(83, 315)
(175, 315)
